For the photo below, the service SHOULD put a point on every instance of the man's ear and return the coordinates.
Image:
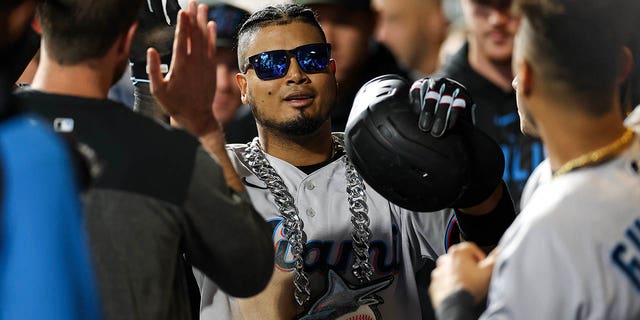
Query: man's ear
(626, 66)
(241, 80)
(124, 44)
(525, 77)
(332, 66)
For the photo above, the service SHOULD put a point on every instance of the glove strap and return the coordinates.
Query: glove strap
(139, 70)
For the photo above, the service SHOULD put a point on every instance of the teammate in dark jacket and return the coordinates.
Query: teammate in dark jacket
(160, 196)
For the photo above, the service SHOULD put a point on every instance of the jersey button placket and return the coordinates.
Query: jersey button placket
(311, 213)
(309, 185)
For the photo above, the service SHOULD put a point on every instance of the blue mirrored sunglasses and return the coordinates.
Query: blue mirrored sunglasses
(312, 58)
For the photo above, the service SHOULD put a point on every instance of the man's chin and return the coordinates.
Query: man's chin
(297, 127)
(500, 54)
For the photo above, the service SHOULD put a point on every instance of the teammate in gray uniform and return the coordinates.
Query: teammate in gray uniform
(321, 212)
(574, 251)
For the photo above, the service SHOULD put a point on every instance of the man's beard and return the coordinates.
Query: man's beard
(301, 125)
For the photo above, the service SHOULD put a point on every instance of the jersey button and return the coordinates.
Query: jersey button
(310, 186)
(311, 213)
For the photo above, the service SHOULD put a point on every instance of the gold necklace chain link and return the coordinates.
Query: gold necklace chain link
(597, 156)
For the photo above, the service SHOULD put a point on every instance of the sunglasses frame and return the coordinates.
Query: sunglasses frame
(252, 60)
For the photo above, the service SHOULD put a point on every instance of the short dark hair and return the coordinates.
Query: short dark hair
(499, 4)
(280, 14)
(80, 30)
(576, 43)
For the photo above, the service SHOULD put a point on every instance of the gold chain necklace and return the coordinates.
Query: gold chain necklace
(597, 156)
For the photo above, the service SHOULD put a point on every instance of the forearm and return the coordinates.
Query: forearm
(457, 306)
(485, 223)
(214, 143)
(487, 205)
(224, 236)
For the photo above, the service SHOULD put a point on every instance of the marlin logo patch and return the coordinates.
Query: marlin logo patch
(343, 301)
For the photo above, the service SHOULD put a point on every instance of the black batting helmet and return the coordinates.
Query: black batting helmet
(407, 166)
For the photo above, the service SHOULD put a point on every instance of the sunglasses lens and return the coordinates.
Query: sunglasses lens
(271, 65)
(313, 58)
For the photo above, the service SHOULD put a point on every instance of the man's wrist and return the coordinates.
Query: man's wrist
(458, 305)
(214, 142)
(487, 229)
(206, 129)
(488, 204)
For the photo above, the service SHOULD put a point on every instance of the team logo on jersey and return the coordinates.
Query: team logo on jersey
(320, 255)
(343, 301)
(63, 124)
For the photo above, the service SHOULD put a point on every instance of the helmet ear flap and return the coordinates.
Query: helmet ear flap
(410, 168)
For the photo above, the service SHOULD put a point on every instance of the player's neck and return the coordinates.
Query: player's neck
(298, 150)
(83, 80)
(498, 73)
(569, 135)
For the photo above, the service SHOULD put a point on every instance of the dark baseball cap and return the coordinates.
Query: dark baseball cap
(228, 21)
(351, 4)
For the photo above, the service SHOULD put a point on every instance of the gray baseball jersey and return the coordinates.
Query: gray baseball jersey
(574, 251)
(401, 242)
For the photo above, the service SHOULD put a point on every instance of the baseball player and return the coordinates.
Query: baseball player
(341, 249)
(574, 251)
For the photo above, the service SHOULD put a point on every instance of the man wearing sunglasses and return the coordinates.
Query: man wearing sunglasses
(341, 249)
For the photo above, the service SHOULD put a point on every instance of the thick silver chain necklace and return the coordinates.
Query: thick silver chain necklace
(294, 226)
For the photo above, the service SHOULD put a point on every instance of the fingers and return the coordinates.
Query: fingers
(193, 33)
(442, 112)
(490, 260)
(460, 107)
(199, 32)
(464, 267)
(192, 10)
(202, 21)
(211, 39)
(181, 40)
(416, 94)
(467, 249)
(429, 103)
(442, 102)
(155, 74)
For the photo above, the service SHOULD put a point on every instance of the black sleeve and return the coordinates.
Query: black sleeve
(225, 237)
(144, 103)
(487, 229)
(457, 306)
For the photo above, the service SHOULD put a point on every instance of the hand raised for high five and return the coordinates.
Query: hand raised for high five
(187, 91)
